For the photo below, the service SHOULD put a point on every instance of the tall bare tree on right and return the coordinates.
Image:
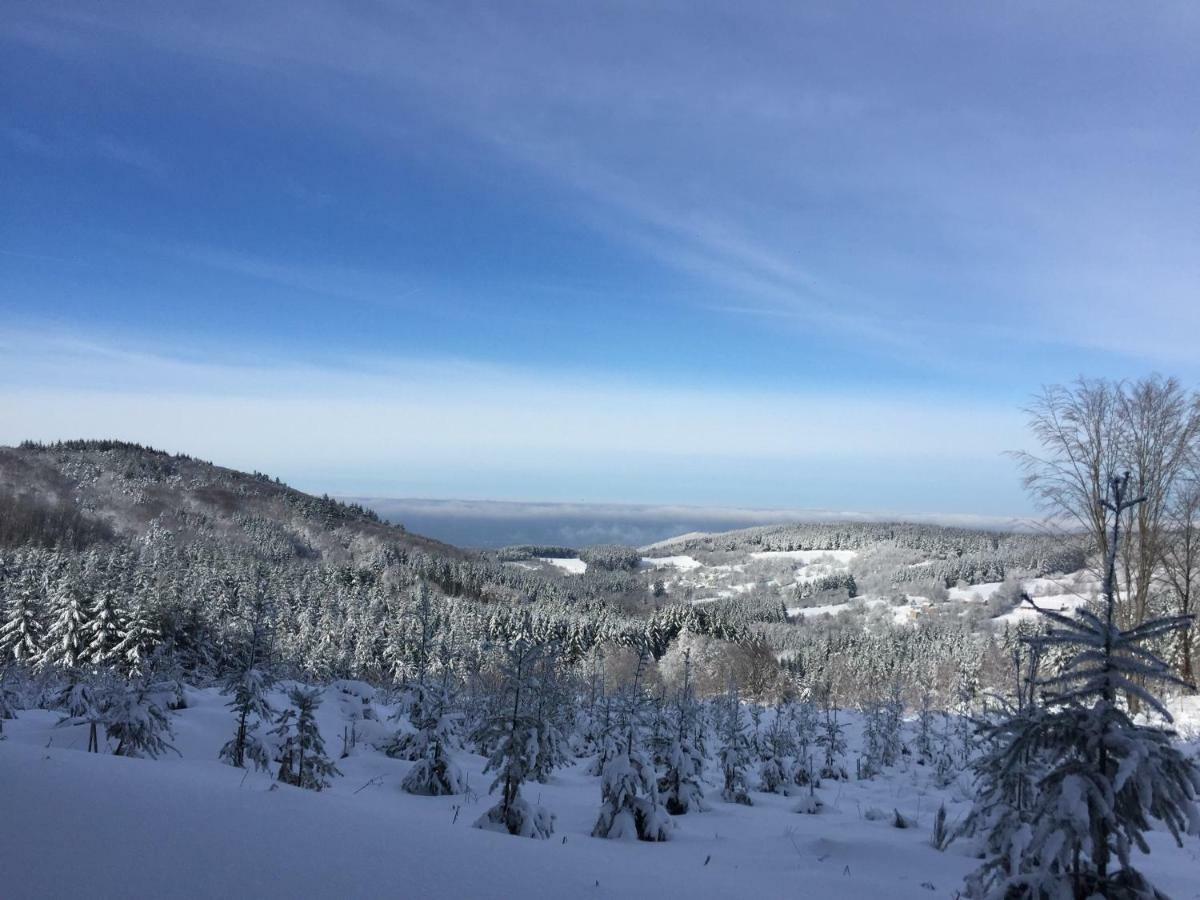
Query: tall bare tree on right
(1091, 428)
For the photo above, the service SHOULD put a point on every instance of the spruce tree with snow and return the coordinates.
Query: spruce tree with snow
(803, 721)
(137, 718)
(105, 627)
(681, 783)
(870, 761)
(435, 772)
(67, 637)
(735, 751)
(630, 808)
(606, 738)
(139, 636)
(248, 685)
(832, 741)
(891, 725)
(776, 773)
(21, 632)
(552, 711)
(1102, 776)
(9, 700)
(513, 731)
(925, 736)
(85, 703)
(301, 753)
(251, 711)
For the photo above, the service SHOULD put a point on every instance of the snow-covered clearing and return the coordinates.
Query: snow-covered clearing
(1060, 603)
(670, 562)
(571, 566)
(976, 593)
(807, 556)
(902, 615)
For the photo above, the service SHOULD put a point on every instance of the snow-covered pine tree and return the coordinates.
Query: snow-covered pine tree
(251, 711)
(1105, 776)
(85, 703)
(301, 756)
(1006, 782)
(248, 685)
(21, 632)
(513, 732)
(870, 761)
(735, 751)
(629, 802)
(137, 718)
(139, 636)
(67, 638)
(832, 741)
(776, 773)
(605, 737)
(9, 699)
(891, 731)
(681, 784)
(435, 772)
(924, 739)
(105, 627)
(803, 720)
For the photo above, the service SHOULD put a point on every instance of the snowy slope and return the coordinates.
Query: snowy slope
(100, 826)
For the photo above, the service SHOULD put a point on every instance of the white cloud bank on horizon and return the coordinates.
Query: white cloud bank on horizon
(354, 428)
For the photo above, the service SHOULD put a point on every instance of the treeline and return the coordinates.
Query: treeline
(951, 554)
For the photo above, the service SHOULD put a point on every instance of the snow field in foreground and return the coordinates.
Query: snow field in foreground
(78, 824)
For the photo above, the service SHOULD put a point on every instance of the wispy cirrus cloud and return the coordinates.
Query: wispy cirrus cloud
(893, 176)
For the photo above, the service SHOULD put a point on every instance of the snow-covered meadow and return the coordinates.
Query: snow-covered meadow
(186, 825)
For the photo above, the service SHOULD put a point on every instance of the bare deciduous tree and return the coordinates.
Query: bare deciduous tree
(1181, 568)
(1094, 429)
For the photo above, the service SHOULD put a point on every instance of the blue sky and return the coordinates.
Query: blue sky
(811, 254)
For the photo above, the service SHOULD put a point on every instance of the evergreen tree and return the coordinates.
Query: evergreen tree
(21, 632)
(435, 772)
(629, 803)
(138, 639)
(513, 732)
(9, 700)
(552, 713)
(680, 785)
(248, 686)
(832, 741)
(67, 637)
(1102, 777)
(84, 704)
(735, 752)
(251, 711)
(301, 755)
(776, 774)
(136, 717)
(104, 628)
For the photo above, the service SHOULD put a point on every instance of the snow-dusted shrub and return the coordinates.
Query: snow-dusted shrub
(630, 807)
(435, 773)
(518, 817)
(137, 718)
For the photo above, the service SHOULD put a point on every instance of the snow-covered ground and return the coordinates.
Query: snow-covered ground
(570, 565)
(807, 556)
(79, 824)
(672, 562)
